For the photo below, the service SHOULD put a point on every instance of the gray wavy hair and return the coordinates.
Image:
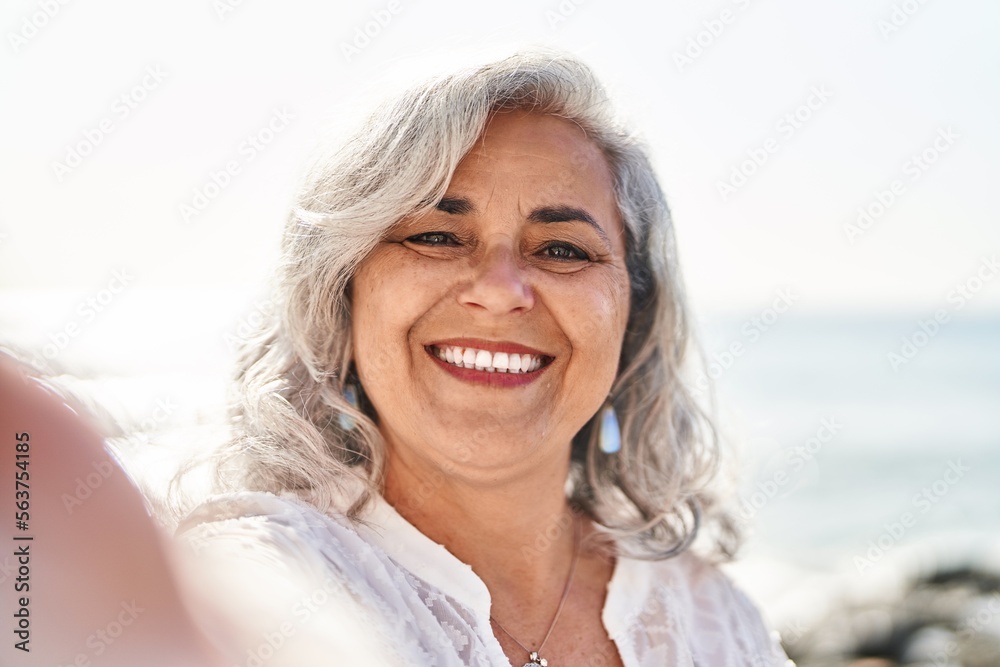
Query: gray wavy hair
(652, 496)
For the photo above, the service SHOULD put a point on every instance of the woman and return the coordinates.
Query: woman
(467, 417)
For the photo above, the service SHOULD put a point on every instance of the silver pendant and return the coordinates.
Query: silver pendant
(535, 660)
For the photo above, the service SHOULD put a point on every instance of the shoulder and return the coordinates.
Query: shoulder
(251, 521)
(254, 515)
(280, 510)
(701, 583)
(268, 560)
(255, 562)
(290, 537)
(716, 621)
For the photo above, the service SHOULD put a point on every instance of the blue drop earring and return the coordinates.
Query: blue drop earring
(609, 438)
(351, 396)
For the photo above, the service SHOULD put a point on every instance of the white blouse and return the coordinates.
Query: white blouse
(276, 582)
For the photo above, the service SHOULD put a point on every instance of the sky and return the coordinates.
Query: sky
(774, 125)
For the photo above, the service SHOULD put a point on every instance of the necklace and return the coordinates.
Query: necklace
(533, 658)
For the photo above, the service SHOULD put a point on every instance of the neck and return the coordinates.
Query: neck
(517, 535)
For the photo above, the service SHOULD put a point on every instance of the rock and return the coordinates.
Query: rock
(947, 617)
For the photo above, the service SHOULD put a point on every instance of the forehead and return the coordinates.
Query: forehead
(550, 155)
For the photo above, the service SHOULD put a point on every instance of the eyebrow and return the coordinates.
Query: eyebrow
(455, 205)
(542, 214)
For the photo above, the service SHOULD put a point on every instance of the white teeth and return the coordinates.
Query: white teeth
(514, 364)
(483, 360)
(500, 361)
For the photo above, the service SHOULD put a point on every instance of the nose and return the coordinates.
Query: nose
(498, 283)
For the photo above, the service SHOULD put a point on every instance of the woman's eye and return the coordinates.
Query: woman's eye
(564, 251)
(434, 239)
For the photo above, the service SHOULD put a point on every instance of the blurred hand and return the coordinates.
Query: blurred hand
(85, 578)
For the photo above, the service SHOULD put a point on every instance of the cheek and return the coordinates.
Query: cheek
(373, 327)
(595, 319)
(622, 305)
(389, 298)
(616, 301)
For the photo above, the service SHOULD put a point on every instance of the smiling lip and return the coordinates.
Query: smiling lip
(491, 378)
